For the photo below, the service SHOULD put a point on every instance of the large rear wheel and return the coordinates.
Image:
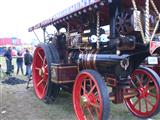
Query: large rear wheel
(147, 84)
(90, 97)
(44, 88)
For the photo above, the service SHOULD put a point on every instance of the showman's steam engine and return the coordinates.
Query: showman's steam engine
(100, 44)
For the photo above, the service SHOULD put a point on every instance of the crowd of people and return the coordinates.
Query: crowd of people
(21, 59)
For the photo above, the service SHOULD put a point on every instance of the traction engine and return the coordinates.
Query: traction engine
(98, 66)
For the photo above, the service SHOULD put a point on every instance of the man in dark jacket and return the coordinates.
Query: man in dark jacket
(19, 61)
(28, 63)
(8, 57)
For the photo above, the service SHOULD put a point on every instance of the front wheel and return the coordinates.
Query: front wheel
(90, 96)
(147, 85)
(44, 88)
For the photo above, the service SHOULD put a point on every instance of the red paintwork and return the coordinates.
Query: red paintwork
(154, 45)
(40, 67)
(80, 91)
(135, 104)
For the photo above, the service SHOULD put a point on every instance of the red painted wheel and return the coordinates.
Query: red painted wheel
(146, 83)
(44, 88)
(90, 97)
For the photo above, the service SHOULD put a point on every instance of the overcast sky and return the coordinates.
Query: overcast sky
(16, 16)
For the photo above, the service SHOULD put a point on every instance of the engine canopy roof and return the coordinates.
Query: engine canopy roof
(83, 14)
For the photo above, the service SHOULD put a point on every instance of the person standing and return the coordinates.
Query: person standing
(28, 63)
(19, 61)
(8, 57)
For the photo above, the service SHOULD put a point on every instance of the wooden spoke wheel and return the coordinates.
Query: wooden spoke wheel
(44, 88)
(147, 84)
(90, 97)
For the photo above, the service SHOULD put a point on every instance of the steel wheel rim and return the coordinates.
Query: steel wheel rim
(87, 97)
(40, 73)
(141, 105)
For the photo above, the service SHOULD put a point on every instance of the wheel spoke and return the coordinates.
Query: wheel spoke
(136, 102)
(97, 97)
(39, 82)
(151, 88)
(147, 85)
(45, 79)
(90, 114)
(145, 99)
(97, 112)
(90, 81)
(46, 66)
(133, 84)
(44, 59)
(83, 107)
(38, 68)
(128, 21)
(91, 90)
(149, 102)
(125, 16)
(153, 95)
(44, 89)
(95, 105)
(40, 56)
(142, 77)
(139, 81)
(96, 94)
(84, 86)
(139, 101)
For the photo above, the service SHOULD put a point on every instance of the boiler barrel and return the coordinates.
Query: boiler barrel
(104, 63)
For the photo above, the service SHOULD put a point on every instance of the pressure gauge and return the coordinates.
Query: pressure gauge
(93, 39)
(104, 38)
